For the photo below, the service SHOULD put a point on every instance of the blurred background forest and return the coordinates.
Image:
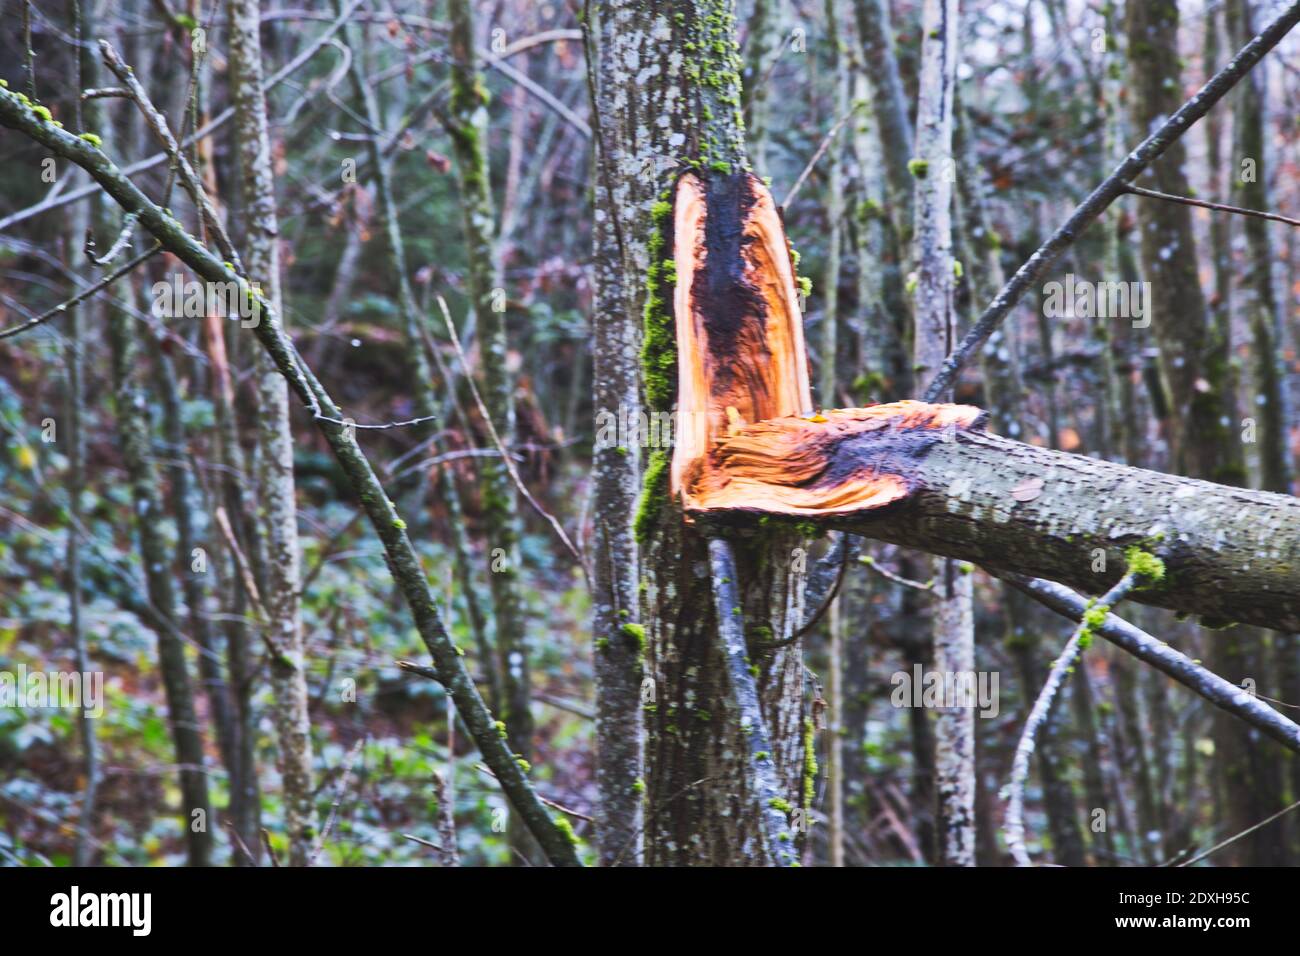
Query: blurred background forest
(1049, 94)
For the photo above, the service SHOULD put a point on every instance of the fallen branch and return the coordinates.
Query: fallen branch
(929, 477)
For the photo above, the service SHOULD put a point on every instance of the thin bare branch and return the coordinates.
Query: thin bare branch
(1204, 204)
(496, 440)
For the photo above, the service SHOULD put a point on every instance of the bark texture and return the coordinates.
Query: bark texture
(617, 259)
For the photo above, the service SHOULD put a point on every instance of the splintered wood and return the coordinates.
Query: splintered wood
(747, 438)
(741, 355)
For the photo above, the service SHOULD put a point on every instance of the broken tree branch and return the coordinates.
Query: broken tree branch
(929, 477)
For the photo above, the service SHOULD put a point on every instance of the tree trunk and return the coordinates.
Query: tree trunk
(759, 44)
(468, 129)
(1249, 172)
(1004, 392)
(661, 112)
(75, 434)
(617, 261)
(275, 480)
(935, 336)
(890, 107)
(134, 433)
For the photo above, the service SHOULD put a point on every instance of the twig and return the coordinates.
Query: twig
(348, 423)
(420, 670)
(1112, 187)
(816, 157)
(270, 850)
(327, 552)
(425, 464)
(496, 440)
(539, 91)
(567, 811)
(241, 562)
(123, 241)
(559, 703)
(1205, 204)
(106, 92)
(487, 771)
(1039, 714)
(568, 706)
(81, 296)
(840, 554)
(1233, 839)
(239, 844)
(888, 575)
(423, 842)
(338, 801)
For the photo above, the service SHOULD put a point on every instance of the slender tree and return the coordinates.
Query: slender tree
(276, 487)
(619, 257)
(934, 338)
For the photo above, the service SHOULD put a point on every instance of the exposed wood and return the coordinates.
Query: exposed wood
(842, 462)
(737, 317)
